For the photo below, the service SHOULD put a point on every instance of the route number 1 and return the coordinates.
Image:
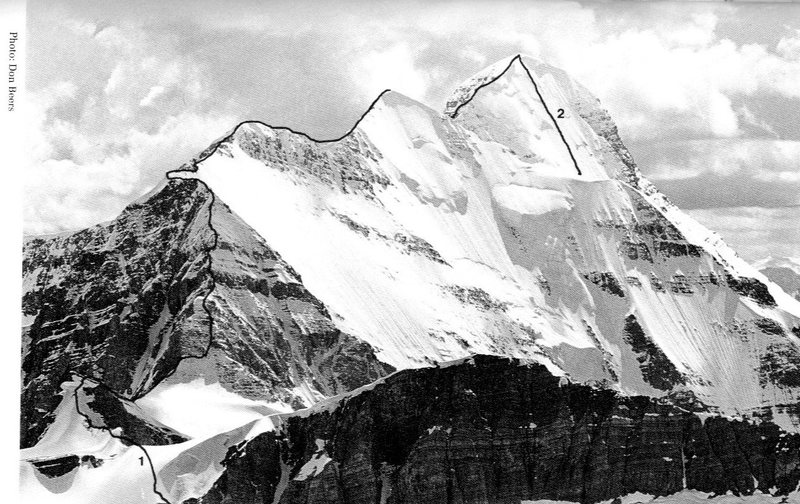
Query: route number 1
(141, 460)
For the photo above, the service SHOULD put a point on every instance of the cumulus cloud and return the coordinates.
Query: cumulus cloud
(68, 194)
(725, 172)
(767, 160)
(131, 95)
(393, 67)
(645, 78)
(96, 148)
(65, 194)
(789, 47)
(755, 232)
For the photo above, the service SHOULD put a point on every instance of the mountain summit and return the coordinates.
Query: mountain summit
(501, 227)
(274, 271)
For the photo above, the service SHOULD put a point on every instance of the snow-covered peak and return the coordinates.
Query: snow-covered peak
(395, 114)
(569, 105)
(558, 83)
(467, 89)
(532, 110)
(508, 229)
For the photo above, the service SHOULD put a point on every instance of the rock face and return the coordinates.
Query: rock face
(120, 302)
(271, 334)
(657, 370)
(104, 409)
(496, 430)
(274, 271)
(177, 287)
(500, 228)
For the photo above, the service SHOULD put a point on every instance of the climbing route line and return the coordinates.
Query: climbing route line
(518, 58)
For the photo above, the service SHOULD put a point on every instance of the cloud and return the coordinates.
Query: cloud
(723, 120)
(667, 72)
(391, 68)
(98, 146)
(154, 93)
(754, 232)
(789, 47)
(134, 90)
(64, 194)
(763, 159)
(725, 172)
(643, 78)
(38, 106)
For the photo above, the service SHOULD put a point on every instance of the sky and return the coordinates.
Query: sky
(706, 95)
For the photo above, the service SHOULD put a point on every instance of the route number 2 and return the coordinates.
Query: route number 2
(560, 113)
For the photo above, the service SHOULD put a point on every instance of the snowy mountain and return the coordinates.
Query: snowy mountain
(131, 303)
(274, 271)
(444, 236)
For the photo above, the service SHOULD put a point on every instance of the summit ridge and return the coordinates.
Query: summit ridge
(515, 224)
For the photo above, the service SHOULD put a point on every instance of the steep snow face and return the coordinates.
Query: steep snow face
(178, 296)
(273, 348)
(514, 224)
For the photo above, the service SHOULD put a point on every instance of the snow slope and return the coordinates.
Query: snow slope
(433, 237)
(112, 471)
(502, 226)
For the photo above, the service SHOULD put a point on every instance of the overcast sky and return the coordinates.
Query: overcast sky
(706, 95)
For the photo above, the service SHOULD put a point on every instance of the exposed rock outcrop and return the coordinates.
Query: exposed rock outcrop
(494, 430)
(177, 287)
(105, 409)
(117, 302)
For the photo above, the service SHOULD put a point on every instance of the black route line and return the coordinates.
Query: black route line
(518, 57)
(181, 359)
(169, 174)
(560, 133)
(212, 287)
(487, 83)
(122, 438)
(230, 135)
(194, 168)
